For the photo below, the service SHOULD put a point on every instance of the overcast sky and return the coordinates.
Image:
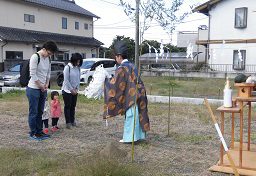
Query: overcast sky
(113, 21)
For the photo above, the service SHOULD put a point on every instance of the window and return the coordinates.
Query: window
(66, 56)
(241, 17)
(109, 64)
(86, 26)
(59, 56)
(87, 64)
(64, 23)
(93, 55)
(83, 55)
(96, 65)
(54, 67)
(77, 25)
(15, 68)
(29, 18)
(11, 55)
(239, 58)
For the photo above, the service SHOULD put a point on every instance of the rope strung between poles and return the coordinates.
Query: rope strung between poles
(221, 138)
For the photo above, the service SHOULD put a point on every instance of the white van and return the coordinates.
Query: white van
(89, 65)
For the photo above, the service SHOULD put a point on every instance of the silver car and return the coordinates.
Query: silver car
(12, 76)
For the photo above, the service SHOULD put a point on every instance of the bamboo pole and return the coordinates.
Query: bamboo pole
(169, 103)
(221, 138)
(134, 120)
(138, 67)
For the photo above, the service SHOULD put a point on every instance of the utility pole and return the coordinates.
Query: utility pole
(137, 33)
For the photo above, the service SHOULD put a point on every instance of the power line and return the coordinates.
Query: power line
(130, 27)
(113, 23)
(109, 2)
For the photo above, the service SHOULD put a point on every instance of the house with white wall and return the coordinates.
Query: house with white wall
(26, 24)
(232, 33)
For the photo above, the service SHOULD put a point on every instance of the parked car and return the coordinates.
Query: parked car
(1, 81)
(56, 69)
(89, 65)
(11, 77)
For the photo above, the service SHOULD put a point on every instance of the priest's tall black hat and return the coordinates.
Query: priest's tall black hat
(120, 48)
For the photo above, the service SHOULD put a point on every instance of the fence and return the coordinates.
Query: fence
(192, 70)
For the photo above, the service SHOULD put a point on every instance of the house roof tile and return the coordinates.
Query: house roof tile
(22, 35)
(63, 5)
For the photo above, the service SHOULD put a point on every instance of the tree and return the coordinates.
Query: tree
(104, 52)
(130, 45)
(165, 13)
(156, 44)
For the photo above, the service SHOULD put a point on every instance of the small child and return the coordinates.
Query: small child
(55, 110)
(45, 116)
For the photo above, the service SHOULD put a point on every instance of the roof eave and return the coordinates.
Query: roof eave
(205, 7)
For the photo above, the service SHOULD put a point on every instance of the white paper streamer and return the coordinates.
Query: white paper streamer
(240, 55)
(156, 51)
(221, 137)
(190, 51)
(95, 88)
(161, 50)
(149, 49)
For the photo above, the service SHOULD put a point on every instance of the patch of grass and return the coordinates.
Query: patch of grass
(145, 145)
(13, 94)
(106, 167)
(196, 87)
(253, 136)
(194, 139)
(83, 99)
(23, 162)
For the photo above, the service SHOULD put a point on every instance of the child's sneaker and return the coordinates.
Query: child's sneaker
(54, 129)
(46, 131)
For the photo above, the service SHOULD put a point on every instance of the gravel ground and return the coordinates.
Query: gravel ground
(190, 149)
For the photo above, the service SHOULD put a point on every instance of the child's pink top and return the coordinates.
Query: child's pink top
(55, 109)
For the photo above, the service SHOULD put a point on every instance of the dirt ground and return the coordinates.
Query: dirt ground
(190, 149)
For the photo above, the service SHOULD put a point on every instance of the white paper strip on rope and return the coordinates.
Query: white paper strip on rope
(167, 53)
(149, 49)
(161, 50)
(96, 86)
(156, 51)
(240, 55)
(190, 51)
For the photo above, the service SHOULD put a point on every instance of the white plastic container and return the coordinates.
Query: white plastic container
(227, 93)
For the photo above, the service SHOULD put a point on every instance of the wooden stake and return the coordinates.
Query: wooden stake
(221, 138)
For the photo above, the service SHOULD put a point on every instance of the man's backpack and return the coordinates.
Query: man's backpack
(24, 72)
(60, 77)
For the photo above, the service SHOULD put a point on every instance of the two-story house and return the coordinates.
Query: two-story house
(26, 24)
(232, 33)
